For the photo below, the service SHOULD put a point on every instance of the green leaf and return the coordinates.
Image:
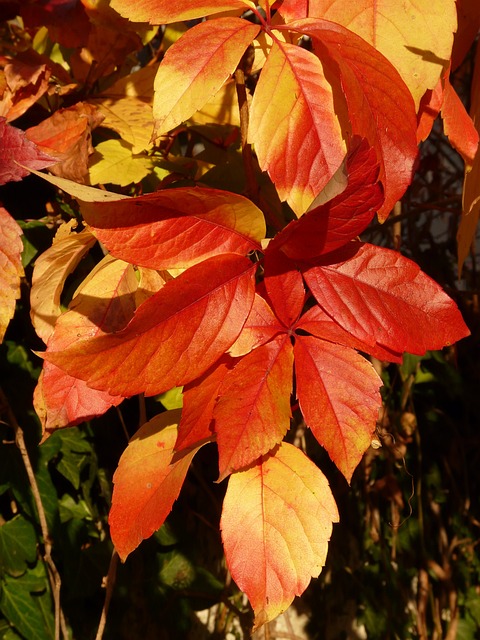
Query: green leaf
(18, 545)
(26, 603)
(75, 455)
(172, 399)
(69, 509)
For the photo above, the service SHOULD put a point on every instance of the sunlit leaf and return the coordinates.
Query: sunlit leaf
(379, 296)
(114, 163)
(176, 228)
(260, 326)
(163, 12)
(51, 270)
(174, 337)
(415, 36)
(338, 394)
(329, 226)
(196, 66)
(199, 399)
(276, 523)
(11, 269)
(103, 303)
(147, 482)
(252, 413)
(380, 106)
(293, 125)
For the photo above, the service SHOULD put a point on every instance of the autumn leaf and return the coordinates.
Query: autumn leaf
(331, 225)
(174, 337)
(162, 11)
(416, 37)
(380, 106)
(252, 413)
(338, 394)
(196, 66)
(176, 228)
(11, 269)
(276, 523)
(284, 286)
(458, 125)
(199, 398)
(147, 482)
(260, 326)
(113, 162)
(293, 125)
(51, 270)
(16, 148)
(26, 81)
(379, 296)
(103, 303)
(67, 136)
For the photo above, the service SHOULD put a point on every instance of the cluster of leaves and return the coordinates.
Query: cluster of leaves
(235, 276)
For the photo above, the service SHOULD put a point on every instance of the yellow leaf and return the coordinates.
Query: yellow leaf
(415, 35)
(51, 270)
(11, 269)
(114, 163)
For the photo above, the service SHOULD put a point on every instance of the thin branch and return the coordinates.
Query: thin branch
(109, 583)
(53, 574)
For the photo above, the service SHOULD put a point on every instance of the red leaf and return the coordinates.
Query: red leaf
(284, 285)
(199, 399)
(379, 296)
(176, 228)
(293, 125)
(338, 394)
(331, 225)
(276, 523)
(316, 322)
(260, 327)
(147, 482)
(253, 408)
(15, 147)
(380, 106)
(174, 337)
(196, 66)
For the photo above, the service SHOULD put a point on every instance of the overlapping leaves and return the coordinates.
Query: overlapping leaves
(306, 321)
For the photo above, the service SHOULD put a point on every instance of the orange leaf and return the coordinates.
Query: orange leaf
(196, 66)
(260, 326)
(284, 285)
(147, 482)
(104, 302)
(380, 106)
(471, 190)
(276, 523)
(252, 413)
(176, 228)
(67, 135)
(174, 337)
(458, 125)
(51, 270)
(293, 125)
(164, 12)
(199, 399)
(11, 270)
(338, 394)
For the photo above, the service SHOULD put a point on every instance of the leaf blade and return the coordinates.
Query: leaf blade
(276, 522)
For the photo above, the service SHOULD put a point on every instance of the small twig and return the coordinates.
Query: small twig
(53, 574)
(109, 584)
